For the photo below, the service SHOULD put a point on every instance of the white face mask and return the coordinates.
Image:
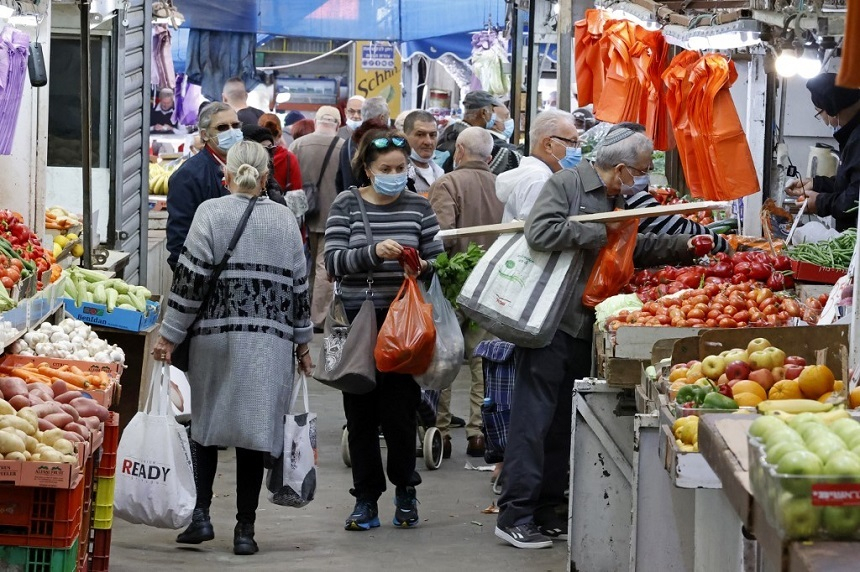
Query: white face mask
(353, 123)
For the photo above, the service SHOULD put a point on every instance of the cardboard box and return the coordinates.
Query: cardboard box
(119, 319)
(44, 474)
(104, 397)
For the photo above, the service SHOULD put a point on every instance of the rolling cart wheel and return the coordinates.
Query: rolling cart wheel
(433, 448)
(344, 448)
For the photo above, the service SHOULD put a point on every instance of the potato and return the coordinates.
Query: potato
(51, 456)
(31, 443)
(71, 459)
(10, 443)
(12, 386)
(79, 429)
(17, 456)
(36, 457)
(46, 408)
(63, 446)
(59, 419)
(30, 417)
(51, 435)
(41, 387)
(59, 387)
(17, 423)
(67, 396)
(89, 408)
(20, 401)
(42, 396)
(5, 408)
(92, 423)
(73, 437)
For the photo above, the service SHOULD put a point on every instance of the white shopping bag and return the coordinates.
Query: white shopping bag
(154, 476)
(293, 479)
(520, 294)
(448, 353)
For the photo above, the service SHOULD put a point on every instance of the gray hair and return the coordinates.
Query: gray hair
(204, 120)
(477, 142)
(414, 117)
(627, 150)
(375, 107)
(247, 161)
(547, 123)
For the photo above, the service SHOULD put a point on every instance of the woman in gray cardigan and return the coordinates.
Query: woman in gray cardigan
(240, 358)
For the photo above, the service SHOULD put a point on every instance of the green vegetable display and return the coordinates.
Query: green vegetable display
(93, 287)
(454, 270)
(834, 253)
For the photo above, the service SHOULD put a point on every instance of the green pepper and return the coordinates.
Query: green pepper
(703, 393)
(716, 400)
(687, 393)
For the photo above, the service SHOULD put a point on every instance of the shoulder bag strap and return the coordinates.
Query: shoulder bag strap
(326, 160)
(367, 229)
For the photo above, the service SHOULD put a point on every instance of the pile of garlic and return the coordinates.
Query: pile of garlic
(70, 339)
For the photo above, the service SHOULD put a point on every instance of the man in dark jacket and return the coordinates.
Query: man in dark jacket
(200, 178)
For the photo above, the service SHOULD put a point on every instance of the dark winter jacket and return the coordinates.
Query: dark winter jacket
(839, 194)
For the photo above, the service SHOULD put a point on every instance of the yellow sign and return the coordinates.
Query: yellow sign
(378, 70)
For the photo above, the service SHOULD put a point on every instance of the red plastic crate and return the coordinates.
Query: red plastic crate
(83, 557)
(100, 551)
(89, 500)
(41, 517)
(107, 462)
(807, 272)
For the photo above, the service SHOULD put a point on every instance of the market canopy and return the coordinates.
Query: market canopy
(394, 20)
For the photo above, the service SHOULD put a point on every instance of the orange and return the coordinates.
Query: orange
(747, 386)
(815, 381)
(825, 397)
(677, 374)
(677, 385)
(854, 398)
(838, 386)
(785, 389)
(747, 399)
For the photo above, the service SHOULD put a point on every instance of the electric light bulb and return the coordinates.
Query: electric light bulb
(786, 64)
(808, 66)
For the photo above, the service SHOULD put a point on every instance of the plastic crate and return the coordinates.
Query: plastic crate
(99, 552)
(103, 514)
(83, 555)
(29, 559)
(41, 517)
(89, 499)
(107, 462)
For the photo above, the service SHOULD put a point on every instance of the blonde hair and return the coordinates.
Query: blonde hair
(247, 161)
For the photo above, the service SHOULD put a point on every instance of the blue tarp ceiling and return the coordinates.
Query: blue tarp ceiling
(393, 20)
(459, 46)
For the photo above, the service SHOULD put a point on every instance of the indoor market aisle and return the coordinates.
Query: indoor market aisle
(453, 535)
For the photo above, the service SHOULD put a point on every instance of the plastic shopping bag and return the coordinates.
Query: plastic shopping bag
(448, 355)
(614, 266)
(293, 479)
(154, 477)
(407, 338)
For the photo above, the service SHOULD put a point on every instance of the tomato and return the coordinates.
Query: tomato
(728, 323)
(695, 313)
(792, 307)
(767, 302)
(694, 322)
(715, 280)
(711, 323)
(772, 320)
(712, 290)
(14, 274)
(730, 310)
(670, 302)
(755, 315)
(718, 307)
(741, 316)
(663, 320)
(703, 307)
(7, 282)
(15, 262)
(721, 299)
(701, 299)
(783, 316)
(769, 310)
(713, 314)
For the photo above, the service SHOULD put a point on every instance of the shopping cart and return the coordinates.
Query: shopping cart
(499, 364)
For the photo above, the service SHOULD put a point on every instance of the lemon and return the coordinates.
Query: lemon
(78, 250)
(57, 249)
(61, 240)
(71, 237)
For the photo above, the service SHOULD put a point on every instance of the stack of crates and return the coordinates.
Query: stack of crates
(98, 540)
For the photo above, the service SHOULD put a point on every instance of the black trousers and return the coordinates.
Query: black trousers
(249, 479)
(393, 406)
(537, 455)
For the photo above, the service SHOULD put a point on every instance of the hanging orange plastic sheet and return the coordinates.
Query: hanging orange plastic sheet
(849, 68)
(651, 63)
(677, 91)
(588, 64)
(721, 144)
(622, 87)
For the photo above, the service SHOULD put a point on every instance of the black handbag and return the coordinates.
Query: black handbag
(180, 356)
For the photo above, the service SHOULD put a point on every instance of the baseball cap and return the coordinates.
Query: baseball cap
(292, 117)
(328, 112)
(479, 99)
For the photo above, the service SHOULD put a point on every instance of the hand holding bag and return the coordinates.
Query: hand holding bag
(448, 353)
(407, 338)
(614, 266)
(154, 477)
(293, 479)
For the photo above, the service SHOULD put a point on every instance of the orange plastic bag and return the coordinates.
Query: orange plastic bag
(614, 265)
(651, 63)
(677, 92)
(588, 64)
(620, 99)
(407, 338)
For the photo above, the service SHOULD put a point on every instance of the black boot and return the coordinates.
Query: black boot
(243, 539)
(200, 529)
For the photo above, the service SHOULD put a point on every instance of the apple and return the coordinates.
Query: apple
(842, 464)
(845, 429)
(841, 521)
(798, 463)
(757, 345)
(724, 380)
(737, 370)
(856, 450)
(763, 377)
(762, 359)
(732, 382)
(778, 374)
(713, 367)
(764, 425)
(737, 355)
(777, 356)
(693, 362)
(811, 431)
(793, 371)
(797, 517)
(825, 447)
(795, 360)
(782, 434)
(724, 353)
(781, 449)
(802, 418)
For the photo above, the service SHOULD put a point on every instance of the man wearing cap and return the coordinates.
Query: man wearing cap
(584, 119)
(317, 153)
(353, 116)
(161, 116)
(839, 108)
(478, 107)
(290, 119)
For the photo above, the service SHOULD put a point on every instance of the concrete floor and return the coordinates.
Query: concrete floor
(453, 535)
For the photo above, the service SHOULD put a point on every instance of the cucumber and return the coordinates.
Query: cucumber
(99, 294)
(123, 299)
(127, 307)
(80, 291)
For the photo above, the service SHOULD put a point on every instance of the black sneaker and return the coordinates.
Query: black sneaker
(406, 513)
(457, 422)
(555, 530)
(364, 516)
(524, 536)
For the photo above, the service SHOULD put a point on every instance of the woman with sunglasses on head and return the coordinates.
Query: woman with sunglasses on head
(201, 177)
(398, 218)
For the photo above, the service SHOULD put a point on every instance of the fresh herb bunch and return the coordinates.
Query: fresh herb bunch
(454, 270)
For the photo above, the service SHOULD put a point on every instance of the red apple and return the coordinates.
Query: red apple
(763, 377)
(778, 374)
(795, 360)
(793, 371)
(738, 370)
(678, 366)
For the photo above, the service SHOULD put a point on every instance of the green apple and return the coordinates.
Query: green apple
(845, 429)
(737, 355)
(812, 431)
(801, 418)
(799, 464)
(842, 464)
(757, 345)
(713, 367)
(779, 450)
(777, 356)
(761, 360)
(853, 441)
(856, 451)
(797, 517)
(764, 425)
(825, 447)
(779, 434)
(841, 521)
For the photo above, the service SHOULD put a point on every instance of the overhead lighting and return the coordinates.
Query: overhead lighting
(24, 20)
(283, 97)
(6, 12)
(733, 35)
(808, 65)
(786, 63)
(636, 14)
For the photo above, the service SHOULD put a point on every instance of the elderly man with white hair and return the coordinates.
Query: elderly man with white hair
(466, 197)
(353, 116)
(531, 508)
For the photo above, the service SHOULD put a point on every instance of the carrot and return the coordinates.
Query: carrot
(105, 379)
(76, 380)
(30, 376)
(76, 370)
(64, 368)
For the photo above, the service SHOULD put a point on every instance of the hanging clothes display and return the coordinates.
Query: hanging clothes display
(677, 90)
(163, 74)
(186, 101)
(651, 59)
(621, 97)
(13, 74)
(588, 64)
(215, 57)
(489, 54)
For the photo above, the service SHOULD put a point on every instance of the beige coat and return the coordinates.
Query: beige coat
(311, 150)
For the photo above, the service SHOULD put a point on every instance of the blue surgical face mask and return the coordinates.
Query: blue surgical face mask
(226, 139)
(416, 157)
(640, 183)
(509, 128)
(353, 123)
(389, 185)
(491, 122)
(572, 157)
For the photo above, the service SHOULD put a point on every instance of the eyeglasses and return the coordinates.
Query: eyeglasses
(640, 171)
(571, 143)
(818, 114)
(384, 142)
(225, 126)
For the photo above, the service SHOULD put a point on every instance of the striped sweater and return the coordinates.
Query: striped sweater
(670, 224)
(410, 221)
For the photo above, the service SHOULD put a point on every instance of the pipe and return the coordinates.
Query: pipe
(86, 138)
(533, 71)
(565, 53)
(516, 68)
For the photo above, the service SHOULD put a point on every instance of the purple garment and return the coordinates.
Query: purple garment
(13, 73)
(187, 99)
(162, 58)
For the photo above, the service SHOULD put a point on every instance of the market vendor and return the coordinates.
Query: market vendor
(538, 449)
(839, 108)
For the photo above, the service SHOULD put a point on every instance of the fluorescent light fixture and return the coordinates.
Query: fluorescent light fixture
(283, 97)
(6, 12)
(24, 20)
(738, 34)
(808, 65)
(786, 63)
(636, 14)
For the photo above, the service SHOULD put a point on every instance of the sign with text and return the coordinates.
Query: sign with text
(378, 71)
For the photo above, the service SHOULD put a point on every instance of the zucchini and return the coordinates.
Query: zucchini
(80, 291)
(111, 299)
(118, 285)
(99, 294)
(136, 301)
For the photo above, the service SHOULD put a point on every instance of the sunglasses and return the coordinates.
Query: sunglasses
(384, 142)
(225, 126)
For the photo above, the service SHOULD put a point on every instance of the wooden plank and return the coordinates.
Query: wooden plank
(612, 216)
(622, 372)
